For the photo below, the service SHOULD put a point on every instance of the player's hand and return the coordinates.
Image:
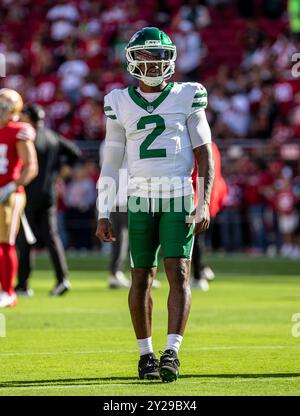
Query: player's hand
(201, 219)
(6, 190)
(104, 230)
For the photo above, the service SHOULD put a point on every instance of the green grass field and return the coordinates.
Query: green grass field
(238, 340)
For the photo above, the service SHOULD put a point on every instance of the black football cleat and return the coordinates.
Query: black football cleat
(168, 366)
(148, 367)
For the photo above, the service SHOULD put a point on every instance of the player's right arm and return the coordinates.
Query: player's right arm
(114, 151)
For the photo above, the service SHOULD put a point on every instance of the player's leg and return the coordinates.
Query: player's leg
(179, 300)
(144, 245)
(140, 306)
(176, 237)
(49, 231)
(10, 215)
(140, 302)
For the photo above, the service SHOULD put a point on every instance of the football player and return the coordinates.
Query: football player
(18, 166)
(160, 126)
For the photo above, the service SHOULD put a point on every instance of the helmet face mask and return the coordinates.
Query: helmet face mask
(151, 56)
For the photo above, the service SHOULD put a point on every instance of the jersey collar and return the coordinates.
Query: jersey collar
(146, 105)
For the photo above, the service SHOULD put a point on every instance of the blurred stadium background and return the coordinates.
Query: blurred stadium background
(66, 55)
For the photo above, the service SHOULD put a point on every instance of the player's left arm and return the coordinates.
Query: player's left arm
(200, 135)
(27, 153)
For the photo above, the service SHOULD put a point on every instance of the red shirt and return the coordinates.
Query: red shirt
(10, 163)
(46, 87)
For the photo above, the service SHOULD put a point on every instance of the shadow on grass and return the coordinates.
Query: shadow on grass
(132, 380)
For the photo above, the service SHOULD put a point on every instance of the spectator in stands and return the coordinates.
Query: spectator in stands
(80, 199)
(264, 115)
(63, 17)
(231, 215)
(255, 206)
(282, 50)
(63, 10)
(261, 55)
(72, 74)
(237, 117)
(59, 110)
(196, 13)
(252, 39)
(190, 50)
(285, 206)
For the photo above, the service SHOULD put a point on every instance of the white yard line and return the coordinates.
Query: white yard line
(233, 347)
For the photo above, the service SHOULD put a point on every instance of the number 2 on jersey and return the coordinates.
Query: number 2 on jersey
(3, 159)
(145, 152)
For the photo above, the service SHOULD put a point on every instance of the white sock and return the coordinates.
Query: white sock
(145, 346)
(174, 342)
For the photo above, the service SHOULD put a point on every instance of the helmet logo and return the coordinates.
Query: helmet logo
(152, 43)
(134, 37)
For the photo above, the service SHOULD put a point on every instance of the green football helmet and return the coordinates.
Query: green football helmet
(151, 56)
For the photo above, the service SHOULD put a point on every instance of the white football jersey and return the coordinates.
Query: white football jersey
(158, 145)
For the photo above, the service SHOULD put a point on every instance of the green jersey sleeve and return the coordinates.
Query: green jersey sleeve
(199, 100)
(109, 108)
